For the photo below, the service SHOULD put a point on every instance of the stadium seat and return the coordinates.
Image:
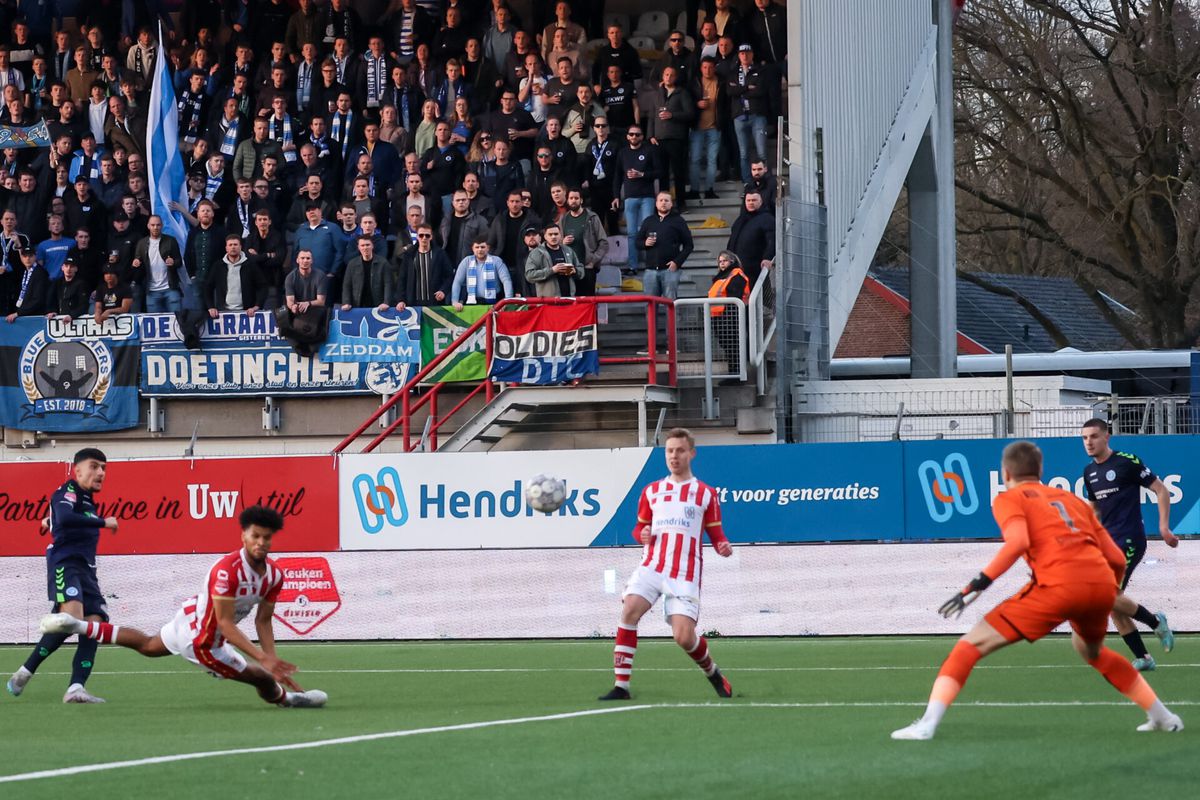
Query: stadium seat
(681, 22)
(617, 19)
(644, 45)
(653, 24)
(689, 42)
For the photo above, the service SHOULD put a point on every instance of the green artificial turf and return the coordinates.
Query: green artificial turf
(810, 718)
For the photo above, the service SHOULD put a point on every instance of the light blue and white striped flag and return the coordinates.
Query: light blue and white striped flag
(164, 162)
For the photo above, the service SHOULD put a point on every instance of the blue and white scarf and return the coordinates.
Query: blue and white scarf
(340, 131)
(490, 284)
(212, 184)
(375, 77)
(303, 85)
(281, 131)
(229, 140)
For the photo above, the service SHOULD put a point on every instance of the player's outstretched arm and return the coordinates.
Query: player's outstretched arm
(265, 626)
(227, 624)
(1015, 531)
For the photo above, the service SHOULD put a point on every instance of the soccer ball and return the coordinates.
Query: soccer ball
(545, 493)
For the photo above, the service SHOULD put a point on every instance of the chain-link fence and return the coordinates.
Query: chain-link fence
(711, 338)
(981, 414)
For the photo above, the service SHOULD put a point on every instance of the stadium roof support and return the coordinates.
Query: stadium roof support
(864, 89)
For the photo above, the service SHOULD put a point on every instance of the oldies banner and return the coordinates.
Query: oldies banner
(545, 345)
(61, 376)
(180, 506)
(440, 326)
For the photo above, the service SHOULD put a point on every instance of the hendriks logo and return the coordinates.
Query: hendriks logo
(380, 500)
(309, 594)
(948, 487)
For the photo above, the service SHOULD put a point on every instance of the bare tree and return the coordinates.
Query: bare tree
(1077, 151)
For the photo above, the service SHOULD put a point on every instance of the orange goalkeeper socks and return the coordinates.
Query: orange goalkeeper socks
(1124, 678)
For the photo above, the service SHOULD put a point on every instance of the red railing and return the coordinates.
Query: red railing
(411, 403)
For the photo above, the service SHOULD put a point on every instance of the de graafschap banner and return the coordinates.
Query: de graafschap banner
(61, 375)
(179, 505)
(243, 355)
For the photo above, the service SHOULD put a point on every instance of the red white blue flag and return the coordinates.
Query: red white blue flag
(545, 345)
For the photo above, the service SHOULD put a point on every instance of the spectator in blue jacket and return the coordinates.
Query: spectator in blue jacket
(321, 239)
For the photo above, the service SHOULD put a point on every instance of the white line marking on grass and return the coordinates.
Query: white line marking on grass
(366, 737)
(369, 737)
(519, 670)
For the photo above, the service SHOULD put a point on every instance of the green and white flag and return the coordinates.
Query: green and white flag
(440, 326)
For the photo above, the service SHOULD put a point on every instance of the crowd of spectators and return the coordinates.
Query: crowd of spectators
(433, 151)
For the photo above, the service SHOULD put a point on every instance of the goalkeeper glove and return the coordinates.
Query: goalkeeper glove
(955, 605)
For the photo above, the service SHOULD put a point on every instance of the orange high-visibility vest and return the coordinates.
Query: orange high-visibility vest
(718, 290)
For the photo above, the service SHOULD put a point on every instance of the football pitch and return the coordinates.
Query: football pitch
(810, 717)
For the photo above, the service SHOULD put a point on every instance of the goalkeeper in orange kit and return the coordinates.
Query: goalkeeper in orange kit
(1076, 571)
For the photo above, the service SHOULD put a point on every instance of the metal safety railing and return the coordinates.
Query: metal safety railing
(414, 396)
(762, 329)
(712, 343)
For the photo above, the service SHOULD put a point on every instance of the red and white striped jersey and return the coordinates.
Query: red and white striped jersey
(232, 576)
(679, 514)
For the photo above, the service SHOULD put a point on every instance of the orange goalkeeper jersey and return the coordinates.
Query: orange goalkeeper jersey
(1067, 543)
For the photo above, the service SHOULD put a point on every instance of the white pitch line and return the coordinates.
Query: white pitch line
(366, 737)
(732, 669)
(369, 737)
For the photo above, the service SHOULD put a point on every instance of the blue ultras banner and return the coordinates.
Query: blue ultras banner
(62, 375)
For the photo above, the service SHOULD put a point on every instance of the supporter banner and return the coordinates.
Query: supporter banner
(440, 326)
(180, 506)
(19, 138)
(229, 326)
(826, 590)
(949, 485)
(545, 345)
(60, 376)
(254, 370)
(368, 335)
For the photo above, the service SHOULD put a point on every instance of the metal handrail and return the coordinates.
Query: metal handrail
(429, 396)
(761, 334)
(707, 304)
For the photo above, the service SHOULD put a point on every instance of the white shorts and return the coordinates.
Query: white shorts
(679, 596)
(221, 661)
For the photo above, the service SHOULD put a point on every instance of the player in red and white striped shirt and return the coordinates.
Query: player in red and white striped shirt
(207, 624)
(673, 516)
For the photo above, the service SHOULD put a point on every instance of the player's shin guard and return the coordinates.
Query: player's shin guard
(85, 657)
(951, 678)
(1124, 678)
(1146, 617)
(102, 632)
(45, 646)
(1135, 644)
(699, 654)
(623, 653)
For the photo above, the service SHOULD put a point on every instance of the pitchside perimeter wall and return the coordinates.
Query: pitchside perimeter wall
(832, 539)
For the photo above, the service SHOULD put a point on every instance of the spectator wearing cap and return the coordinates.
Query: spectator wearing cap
(83, 208)
(748, 91)
(319, 237)
(33, 287)
(113, 296)
(68, 297)
(89, 259)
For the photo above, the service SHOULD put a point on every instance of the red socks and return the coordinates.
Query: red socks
(102, 632)
(699, 654)
(623, 653)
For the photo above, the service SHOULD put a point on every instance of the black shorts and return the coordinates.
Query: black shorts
(73, 580)
(1134, 549)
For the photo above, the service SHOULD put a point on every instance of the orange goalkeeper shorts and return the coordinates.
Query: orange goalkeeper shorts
(1037, 610)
